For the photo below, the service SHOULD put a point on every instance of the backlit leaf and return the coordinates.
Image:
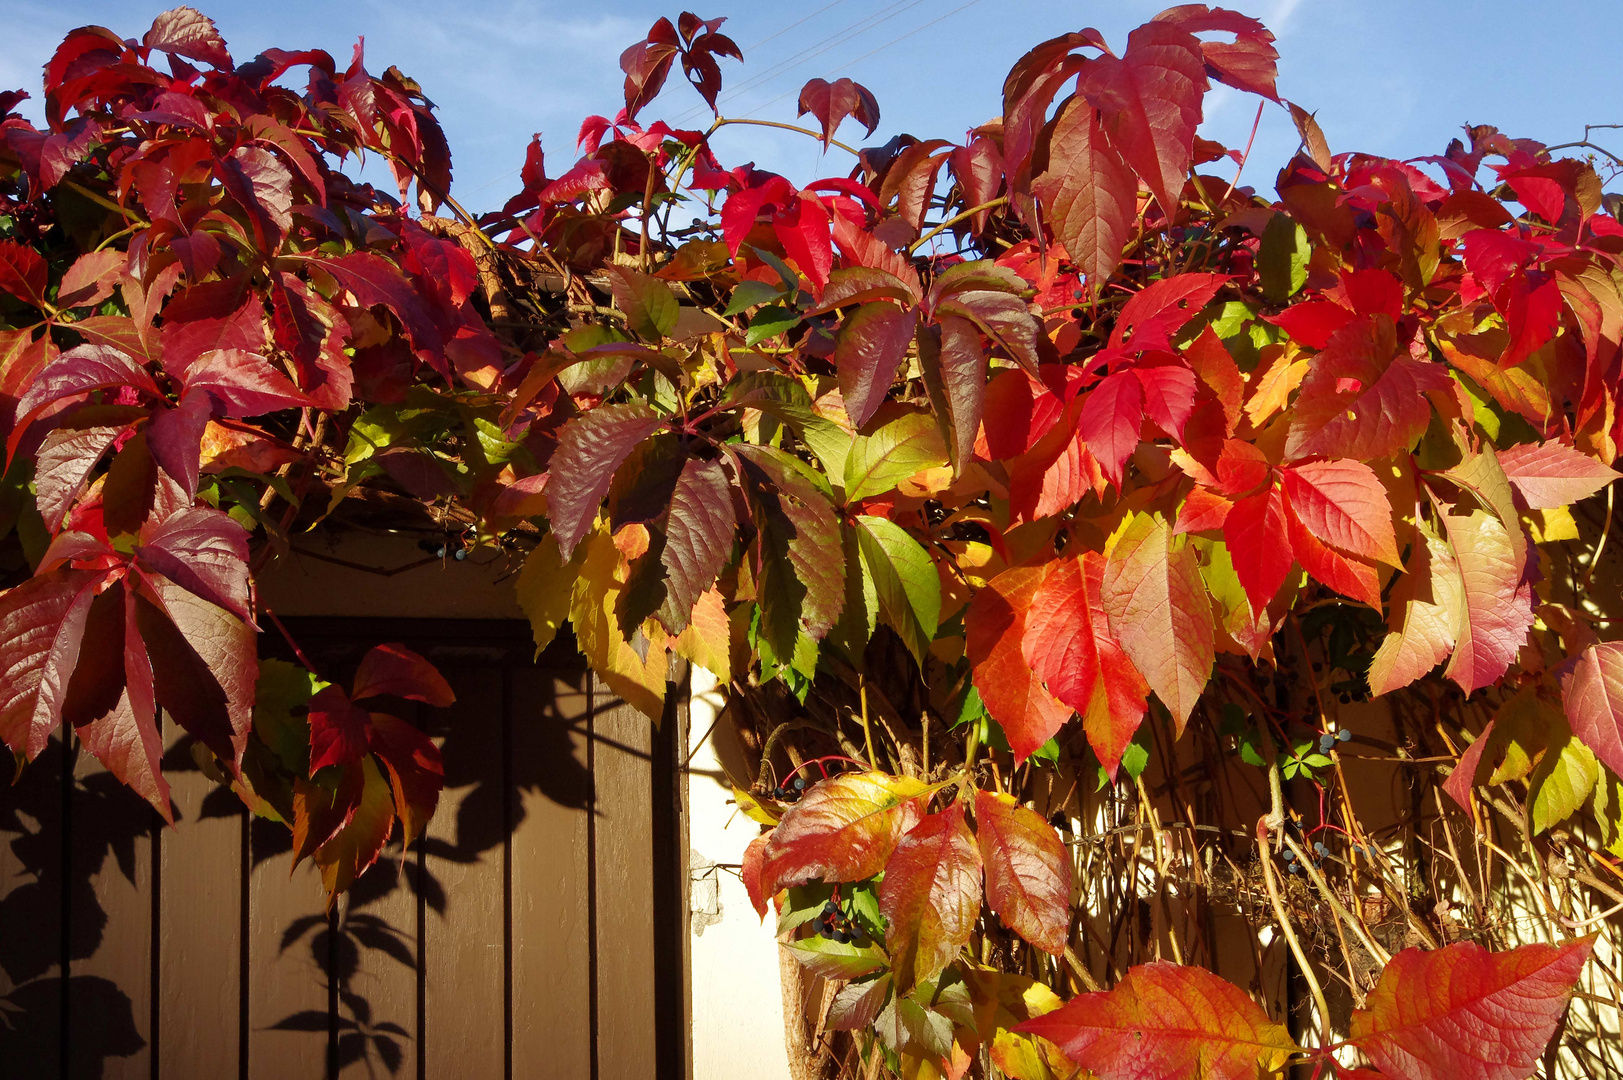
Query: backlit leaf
(842, 829)
(931, 896)
(1089, 194)
(1496, 610)
(1158, 609)
(872, 343)
(828, 959)
(994, 629)
(590, 448)
(1593, 697)
(1422, 614)
(356, 845)
(905, 580)
(1258, 543)
(895, 450)
(1028, 871)
(1344, 504)
(1170, 1022)
(1552, 474)
(1463, 1013)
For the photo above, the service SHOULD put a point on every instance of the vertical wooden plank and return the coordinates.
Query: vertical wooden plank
(375, 961)
(288, 944)
(109, 926)
(464, 961)
(31, 942)
(552, 793)
(626, 1042)
(200, 922)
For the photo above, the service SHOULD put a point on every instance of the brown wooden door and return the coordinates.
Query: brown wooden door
(535, 931)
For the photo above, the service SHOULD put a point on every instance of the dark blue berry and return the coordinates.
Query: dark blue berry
(1295, 868)
(800, 783)
(1290, 855)
(1327, 743)
(1344, 735)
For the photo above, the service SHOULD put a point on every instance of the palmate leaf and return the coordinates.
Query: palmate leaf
(1028, 871)
(872, 343)
(842, 829)
(953, 364)
(1422, 613)
(1551, 475)
(1463, 1013)
(931, 896)
(1167, 1021)
(1344, 504)
(1496, 603)
(904, 579)
(898, 448)
(699, 537)
(1255, 531)
(42, 623)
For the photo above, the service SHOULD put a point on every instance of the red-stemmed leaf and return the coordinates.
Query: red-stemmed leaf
(1464, 1013)
(931, 896)
(1170, 1022)
(1344, 504)
(1028, 871)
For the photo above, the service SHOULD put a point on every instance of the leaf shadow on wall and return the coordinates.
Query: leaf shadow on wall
(44, 889)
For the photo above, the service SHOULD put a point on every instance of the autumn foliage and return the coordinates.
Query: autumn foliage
(985, 468)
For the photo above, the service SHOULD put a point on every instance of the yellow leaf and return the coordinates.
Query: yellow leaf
(1552, 525)
(1274, 385)
(544, 588)
(707, 641)
(636, 673)
(753, 808)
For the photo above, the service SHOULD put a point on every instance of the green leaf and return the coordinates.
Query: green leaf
(905, 579)
(769, 322)
(650, 307)
(1282, 258)
(831, 959)
(748, 294)
(787, 400)
(896, 450)
(1562, 782)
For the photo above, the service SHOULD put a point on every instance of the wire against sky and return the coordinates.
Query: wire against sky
(816, 49)
(779, 33)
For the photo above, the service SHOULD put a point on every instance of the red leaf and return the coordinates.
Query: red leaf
(1463, 1013)
(994, 628)
(1257, 541)
(1089, 194)
(955, 375)
(1217, 369)
(366, 828)
(1241, 468)
(1423, 611)
(202, 551)
(1463, 778)
(832, 102)
(91, 278)
(23, 273)
(842, 829)
(1068, 643)
(750, 872)
(125, 736)
(1201, 511)
(1361, 399)
(871, 345)
(646, 65)
(374, 280)
(1551, 475)
(1028, 871)
(1169, 1022)
(699, 529)
(1003, 317)
(1151, 100)
(340, 731)
(931, 896)
(1110, 421)
(187, 32)
(1312, 322)
(416, 771)
(590, 448)
(1496, 609)
(1322, 563)
(64, 462)
(978, 165)
(1593, 696)
(1344, 504)
(1157, 312)
(1159, 611)
(1169, 394)
(395, 669)
(1249, 62)
(204, 666)
(78, 371)
(42, 623)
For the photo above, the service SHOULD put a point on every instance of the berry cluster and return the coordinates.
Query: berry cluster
(833, 923)
(790, 790)
(1327, 741)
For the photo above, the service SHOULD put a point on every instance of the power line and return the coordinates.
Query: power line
(779, 33)
(833, 41)
(853, 63)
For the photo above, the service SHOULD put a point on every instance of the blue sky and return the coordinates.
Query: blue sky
(1394, 77)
